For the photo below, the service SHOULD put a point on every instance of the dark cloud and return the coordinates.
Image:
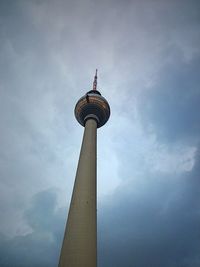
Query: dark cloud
(155, 222)
(41, 247)
(152, 223)
(171, 106)
(148, 55)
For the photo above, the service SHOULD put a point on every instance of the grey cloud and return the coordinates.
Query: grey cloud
(41, 246)
(36, 113)
(154, 222)
(171, 106)
(147, 53)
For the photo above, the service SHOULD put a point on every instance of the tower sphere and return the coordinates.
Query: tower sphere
(92, 106)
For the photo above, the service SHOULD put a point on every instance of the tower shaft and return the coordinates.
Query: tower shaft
(79, 248)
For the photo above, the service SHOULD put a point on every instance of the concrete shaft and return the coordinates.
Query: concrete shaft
(79, 247)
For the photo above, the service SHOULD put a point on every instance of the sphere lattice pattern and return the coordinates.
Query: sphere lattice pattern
(92, 106)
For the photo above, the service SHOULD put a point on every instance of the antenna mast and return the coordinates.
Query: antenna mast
(95, 81)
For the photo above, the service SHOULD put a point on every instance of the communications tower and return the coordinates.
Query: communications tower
(79, 248)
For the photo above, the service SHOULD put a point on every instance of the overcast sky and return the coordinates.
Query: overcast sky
(148, 56)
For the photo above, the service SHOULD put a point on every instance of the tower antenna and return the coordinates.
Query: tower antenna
(95, 81)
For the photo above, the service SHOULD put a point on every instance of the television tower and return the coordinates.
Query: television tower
(79, 248)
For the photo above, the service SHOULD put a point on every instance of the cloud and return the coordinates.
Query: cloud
(147, 54)
(40, 247)
(171, 106)
(154, 221)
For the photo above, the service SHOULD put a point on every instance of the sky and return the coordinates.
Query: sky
(148, 57)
